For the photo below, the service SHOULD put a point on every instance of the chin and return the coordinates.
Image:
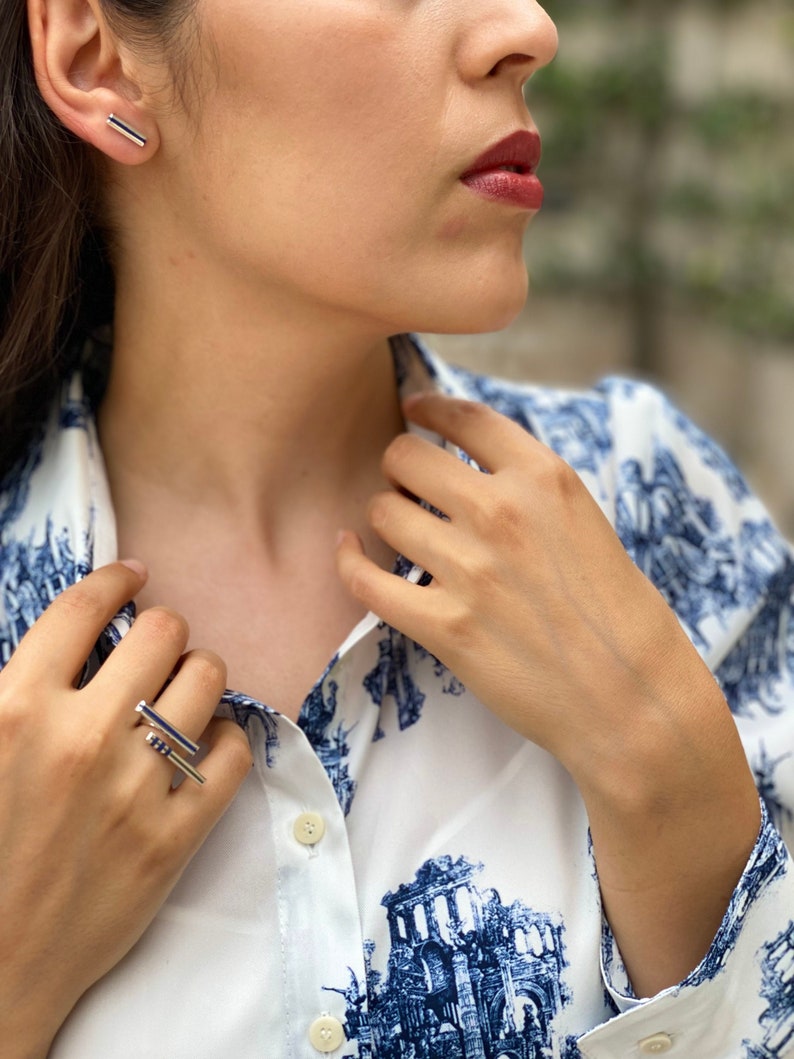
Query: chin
(474, 311)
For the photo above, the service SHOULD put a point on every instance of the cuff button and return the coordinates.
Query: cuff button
(657, 1044)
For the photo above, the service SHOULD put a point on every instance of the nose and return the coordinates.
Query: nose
(507, 38)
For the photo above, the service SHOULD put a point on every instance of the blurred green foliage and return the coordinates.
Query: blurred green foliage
(679, 186)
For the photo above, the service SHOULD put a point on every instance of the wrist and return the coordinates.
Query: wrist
(672, 833)
(29, 1026)
(668, 735)
(668, 813)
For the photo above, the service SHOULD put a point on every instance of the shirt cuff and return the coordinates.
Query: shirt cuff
(739, 1001)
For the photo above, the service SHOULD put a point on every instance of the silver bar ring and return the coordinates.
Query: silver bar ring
(160, 745)
(156, 720)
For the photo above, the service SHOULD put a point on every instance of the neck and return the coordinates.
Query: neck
(252, 406)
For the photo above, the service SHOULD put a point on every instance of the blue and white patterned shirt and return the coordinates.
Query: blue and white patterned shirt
(404, 877)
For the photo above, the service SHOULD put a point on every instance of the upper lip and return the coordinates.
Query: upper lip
(520, 150)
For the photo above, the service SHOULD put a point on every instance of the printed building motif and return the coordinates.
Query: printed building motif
(764, 768)
(778, 989)
(391, 678)
(331, 747)
(468, 977)
(34, 576)
(678, 541)
(761, 663)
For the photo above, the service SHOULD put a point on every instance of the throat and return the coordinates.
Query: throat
(276, 630)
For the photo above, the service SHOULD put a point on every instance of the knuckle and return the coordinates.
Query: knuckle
(400, 449)
(468, 409)
(379, 510)
(165, 624)
(477, 567)
(14, 714)
(557, 476)
(360, 583)
(504, 511)
(500, 515)
(209, 670)
(459, 625)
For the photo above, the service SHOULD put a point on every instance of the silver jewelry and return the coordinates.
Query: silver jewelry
(160, 745)
(127, 130)
(156, 720)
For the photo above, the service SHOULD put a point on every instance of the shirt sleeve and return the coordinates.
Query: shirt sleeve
(739, 1002)
(690, 522)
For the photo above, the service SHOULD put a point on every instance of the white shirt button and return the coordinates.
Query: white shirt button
(656, 1045)
(327, 1033)
(309, 828)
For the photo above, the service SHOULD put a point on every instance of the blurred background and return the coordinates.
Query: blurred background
(665, 247)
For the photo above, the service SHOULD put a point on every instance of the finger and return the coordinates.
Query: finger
(224, 768)
(411, 530)
(490, 438)
(60, 642)
(191, 697)
(393, 599)
(142, 663)
(425, 470)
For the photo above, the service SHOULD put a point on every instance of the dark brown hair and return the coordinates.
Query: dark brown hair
(56, 283)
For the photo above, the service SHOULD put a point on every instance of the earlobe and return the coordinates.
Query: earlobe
(81, 77)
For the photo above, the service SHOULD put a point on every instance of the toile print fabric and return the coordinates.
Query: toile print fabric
(402, 876)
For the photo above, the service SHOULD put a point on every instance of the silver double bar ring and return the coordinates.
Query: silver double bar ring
(155, 720)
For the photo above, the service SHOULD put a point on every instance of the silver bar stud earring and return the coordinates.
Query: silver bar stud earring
(126, 130)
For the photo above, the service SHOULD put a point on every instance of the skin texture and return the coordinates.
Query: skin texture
(270, 237)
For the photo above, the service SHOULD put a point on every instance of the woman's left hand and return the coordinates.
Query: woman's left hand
(537, 608)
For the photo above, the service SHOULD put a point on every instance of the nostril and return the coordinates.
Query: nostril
(511, 61)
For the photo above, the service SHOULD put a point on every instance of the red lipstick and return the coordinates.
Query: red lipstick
(506, 172)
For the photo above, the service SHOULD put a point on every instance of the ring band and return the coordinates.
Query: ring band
(160, 745)
(162, 725)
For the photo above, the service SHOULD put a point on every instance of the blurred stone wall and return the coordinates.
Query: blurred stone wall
(666, 245)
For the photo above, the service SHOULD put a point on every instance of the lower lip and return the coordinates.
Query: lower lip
(512, 189)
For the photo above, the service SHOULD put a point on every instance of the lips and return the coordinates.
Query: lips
(505, 172)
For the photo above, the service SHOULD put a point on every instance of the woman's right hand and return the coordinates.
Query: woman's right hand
(92, 835)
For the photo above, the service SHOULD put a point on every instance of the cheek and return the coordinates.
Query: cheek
(324, 84)
(329, 157)
(321, 139)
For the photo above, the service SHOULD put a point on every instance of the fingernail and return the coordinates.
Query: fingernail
(135, 565)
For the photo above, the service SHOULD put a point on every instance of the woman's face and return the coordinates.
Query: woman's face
(332, 136)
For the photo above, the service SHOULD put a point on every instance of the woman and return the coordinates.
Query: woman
(418, 860)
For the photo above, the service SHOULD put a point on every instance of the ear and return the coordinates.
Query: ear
(84, 78)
